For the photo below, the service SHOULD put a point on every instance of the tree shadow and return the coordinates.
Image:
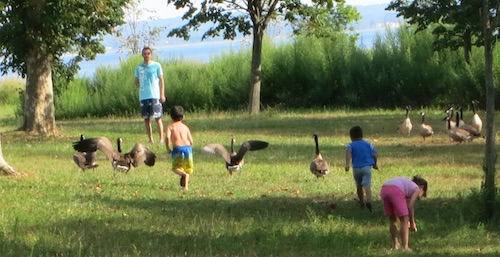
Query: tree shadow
(209, 227)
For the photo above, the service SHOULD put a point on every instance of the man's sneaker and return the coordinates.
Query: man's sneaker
(369, 206)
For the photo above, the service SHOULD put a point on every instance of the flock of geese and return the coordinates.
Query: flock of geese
(456, 128)
(86, 157)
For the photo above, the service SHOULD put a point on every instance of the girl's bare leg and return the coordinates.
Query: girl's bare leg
(393, 228)
(404, 232)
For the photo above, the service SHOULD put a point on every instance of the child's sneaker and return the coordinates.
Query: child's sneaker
(369, 206)
(360, 204)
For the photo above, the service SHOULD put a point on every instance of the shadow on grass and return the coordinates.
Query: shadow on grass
(266, 226)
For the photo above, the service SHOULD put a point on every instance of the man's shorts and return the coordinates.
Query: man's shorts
(151, 108)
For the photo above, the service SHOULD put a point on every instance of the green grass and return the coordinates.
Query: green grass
(274, 207)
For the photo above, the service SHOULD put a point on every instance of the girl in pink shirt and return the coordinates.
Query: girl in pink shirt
(399, 196)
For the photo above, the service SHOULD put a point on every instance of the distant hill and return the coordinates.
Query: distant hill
(374, 17)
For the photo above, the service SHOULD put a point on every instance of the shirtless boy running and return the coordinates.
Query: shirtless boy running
(179, 135)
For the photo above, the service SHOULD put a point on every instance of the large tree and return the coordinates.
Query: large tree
(251, 17)
(464, 24)
(34, 37)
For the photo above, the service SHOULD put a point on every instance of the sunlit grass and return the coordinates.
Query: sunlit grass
(274, 207)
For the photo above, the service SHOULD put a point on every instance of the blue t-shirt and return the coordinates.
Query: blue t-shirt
(362, 153)
(149, 80)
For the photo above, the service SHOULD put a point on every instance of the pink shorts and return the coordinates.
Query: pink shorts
(394, 201)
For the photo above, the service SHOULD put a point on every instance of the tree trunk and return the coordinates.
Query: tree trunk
(490, 152)
(255, 77)
(39, 113)
(467, 45)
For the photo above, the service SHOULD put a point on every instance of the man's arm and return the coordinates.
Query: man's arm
(163, 98)
(136, 81)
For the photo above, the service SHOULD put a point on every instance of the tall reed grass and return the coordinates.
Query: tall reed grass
(400, 69)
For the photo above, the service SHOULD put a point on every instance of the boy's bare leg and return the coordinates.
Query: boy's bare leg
(147, 123)
(393, 229)
(186, 179)
(359, 191)
(185, 175)
(368, 192)
(159, 124)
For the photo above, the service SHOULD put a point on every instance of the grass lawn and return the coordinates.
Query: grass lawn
(273, 207)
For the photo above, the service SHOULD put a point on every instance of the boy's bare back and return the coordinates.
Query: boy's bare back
(178, 134)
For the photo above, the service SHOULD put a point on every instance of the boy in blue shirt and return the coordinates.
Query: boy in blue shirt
(363, 156)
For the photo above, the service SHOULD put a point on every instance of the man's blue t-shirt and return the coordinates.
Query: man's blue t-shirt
(149, 82)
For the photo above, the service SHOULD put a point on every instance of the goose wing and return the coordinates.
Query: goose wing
(93, 144)
(472, 130)
(459, 135)
(250, 145)
(79, 160)
(141, 154)
(217, 148)
(86, 160)
(426, 130)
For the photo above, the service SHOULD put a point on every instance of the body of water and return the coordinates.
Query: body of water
(199, 51)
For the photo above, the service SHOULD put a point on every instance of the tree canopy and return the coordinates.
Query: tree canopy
(252, 17)
(455, 23)
(35, 35)
(57, 28)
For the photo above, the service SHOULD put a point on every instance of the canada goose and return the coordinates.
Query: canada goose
(4, 166)
(476, 120)
(472, 130)
(461, 121)
(319, 167)
(120, 161)
(234, 161)
(448, 120)
(405, 126)
(85, 160)
(457, 134)
(425, 129)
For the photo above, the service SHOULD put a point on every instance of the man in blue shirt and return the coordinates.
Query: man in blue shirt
(149, 80)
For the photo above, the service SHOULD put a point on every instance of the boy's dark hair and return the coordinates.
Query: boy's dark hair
(421, 182)
(177, 113)
(147, 48)
(356, 132)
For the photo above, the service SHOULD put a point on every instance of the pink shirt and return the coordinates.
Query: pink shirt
(407, 186)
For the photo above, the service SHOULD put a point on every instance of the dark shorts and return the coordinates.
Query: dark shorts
(151, 108)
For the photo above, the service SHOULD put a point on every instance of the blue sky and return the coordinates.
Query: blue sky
(164, 11)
